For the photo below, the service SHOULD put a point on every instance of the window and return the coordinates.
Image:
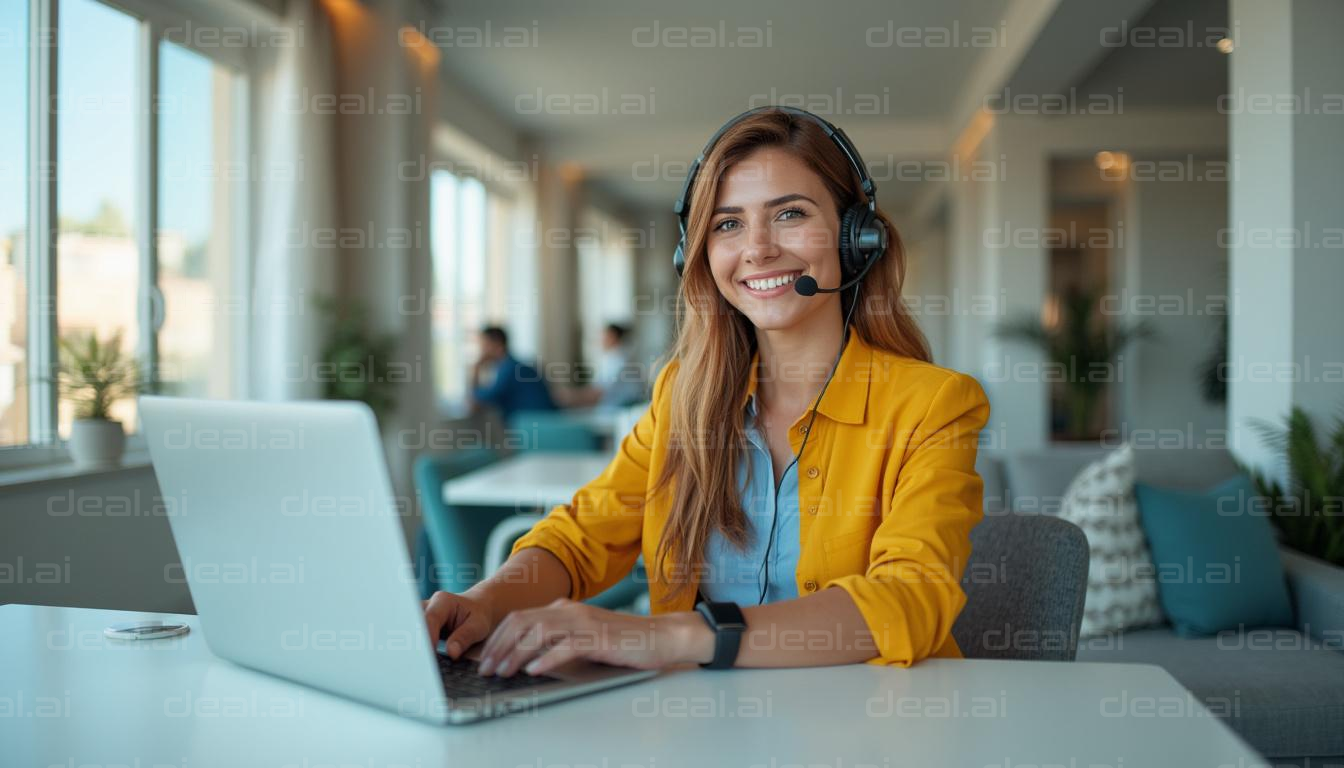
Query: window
(199, 214)
(97, 256)
(475, 261)
(450, 356)
(606, 277)
(145, 207)
(13, 213)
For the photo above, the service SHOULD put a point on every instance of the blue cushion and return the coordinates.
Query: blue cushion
(1218, 564)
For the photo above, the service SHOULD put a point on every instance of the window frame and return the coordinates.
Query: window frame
(600, 246)
(503, 206)
(155, 19)
(457, 408)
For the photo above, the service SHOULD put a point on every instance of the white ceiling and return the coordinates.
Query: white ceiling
(818, 57)
(1145, 73)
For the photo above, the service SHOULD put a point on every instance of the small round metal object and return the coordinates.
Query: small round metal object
(146, 630)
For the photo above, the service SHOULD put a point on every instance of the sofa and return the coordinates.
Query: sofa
(1281, 689)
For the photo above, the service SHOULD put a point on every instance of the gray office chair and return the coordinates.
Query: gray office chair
(1025, 584)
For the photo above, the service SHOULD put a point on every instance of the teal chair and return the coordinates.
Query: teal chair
(424, 564)
(451, 553)
(455, 536)
(553, 431)
(626, 594)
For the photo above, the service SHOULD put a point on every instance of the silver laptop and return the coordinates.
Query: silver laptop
(291, 542)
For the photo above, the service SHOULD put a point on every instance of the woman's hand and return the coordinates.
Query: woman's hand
(541, 639)
(466, 620)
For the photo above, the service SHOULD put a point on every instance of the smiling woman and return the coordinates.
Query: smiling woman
(782, 455)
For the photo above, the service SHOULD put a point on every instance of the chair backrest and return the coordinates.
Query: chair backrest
(1025, 584)
(552, 431)
(457, 535)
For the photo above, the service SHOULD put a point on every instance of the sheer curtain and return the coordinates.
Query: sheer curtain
(296, 204)
(343, 205)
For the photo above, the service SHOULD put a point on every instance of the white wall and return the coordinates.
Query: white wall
(559, 207)
(966, 283)
(996, 269)
(1014, 213)
(926, 285)
(99, 540)
(1318, 197)
(1287, 218)
(656, 286)
(997, 230)
(390, 207)
(1173, 274)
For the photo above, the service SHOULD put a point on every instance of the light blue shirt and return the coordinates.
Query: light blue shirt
(734, 576)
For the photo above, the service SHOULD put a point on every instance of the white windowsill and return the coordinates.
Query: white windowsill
(12, 479)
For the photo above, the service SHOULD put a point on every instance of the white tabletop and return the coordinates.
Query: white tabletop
(69, 696)
(528, 480)
(602, 421)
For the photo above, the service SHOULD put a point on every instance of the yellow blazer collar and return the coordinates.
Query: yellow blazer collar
(846, 399)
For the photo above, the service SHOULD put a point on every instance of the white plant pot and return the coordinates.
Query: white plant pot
(97, 443)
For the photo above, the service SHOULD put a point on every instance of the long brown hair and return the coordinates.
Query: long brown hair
(716, 342)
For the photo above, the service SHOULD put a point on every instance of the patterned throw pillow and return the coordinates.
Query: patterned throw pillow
(1121, 579)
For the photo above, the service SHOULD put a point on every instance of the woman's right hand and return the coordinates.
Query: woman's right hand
(464, 620)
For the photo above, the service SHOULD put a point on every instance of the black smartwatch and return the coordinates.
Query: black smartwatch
(728, 623)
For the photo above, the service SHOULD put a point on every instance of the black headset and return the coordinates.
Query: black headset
(863, 239)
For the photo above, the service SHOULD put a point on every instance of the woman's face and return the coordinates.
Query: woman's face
(774, 221)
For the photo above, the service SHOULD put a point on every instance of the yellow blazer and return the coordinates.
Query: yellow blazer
(888, 497)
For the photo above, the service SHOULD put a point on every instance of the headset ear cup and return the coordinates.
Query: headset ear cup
(867, 237)
(872, 236)
(850, 262)
(859, 231)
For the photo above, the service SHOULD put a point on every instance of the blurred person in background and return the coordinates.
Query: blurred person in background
(618, 380)
(501, 381)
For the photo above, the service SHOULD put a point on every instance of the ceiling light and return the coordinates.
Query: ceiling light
(1113, 165)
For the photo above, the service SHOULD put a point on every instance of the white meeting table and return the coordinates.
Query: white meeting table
(527, 481)
(71, 697)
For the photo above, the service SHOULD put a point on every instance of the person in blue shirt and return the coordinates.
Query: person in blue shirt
(509, 385)
(618, 380)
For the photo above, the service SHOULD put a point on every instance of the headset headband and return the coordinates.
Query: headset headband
(836, 135)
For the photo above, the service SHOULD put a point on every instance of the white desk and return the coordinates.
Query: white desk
(604, 422)
(170, 703)
(529, 480)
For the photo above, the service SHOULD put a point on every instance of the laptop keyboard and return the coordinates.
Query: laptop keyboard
(462, 680)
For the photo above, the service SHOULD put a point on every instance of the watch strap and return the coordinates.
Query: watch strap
(728, 623)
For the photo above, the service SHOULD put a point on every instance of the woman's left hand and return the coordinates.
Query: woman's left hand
(537, 640)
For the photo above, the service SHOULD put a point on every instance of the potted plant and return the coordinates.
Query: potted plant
(93, 375)
(1083, 348)
(1307, 510)
(358, 362)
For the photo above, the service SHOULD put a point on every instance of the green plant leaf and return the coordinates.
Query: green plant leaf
(1307, 509)
(94, 374)
(358, 361)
